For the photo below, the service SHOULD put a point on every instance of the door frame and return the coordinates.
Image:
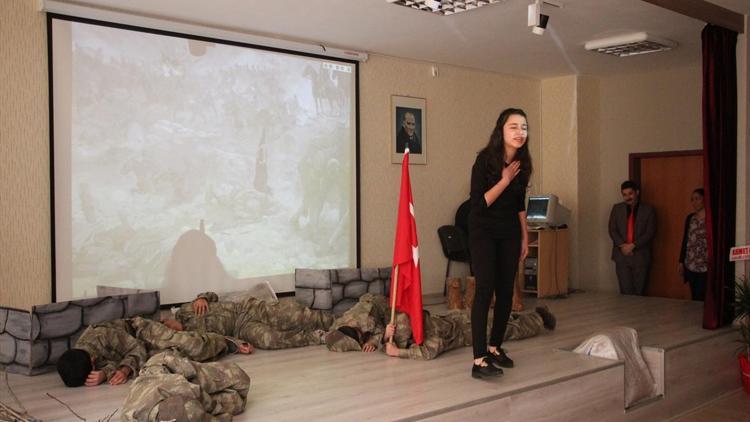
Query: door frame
(634, 167)
(634, 160)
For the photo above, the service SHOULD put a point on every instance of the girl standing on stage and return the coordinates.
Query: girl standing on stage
(498, 237)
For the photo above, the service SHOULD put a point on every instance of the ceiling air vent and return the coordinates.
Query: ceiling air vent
(444, 7)
(630, 44)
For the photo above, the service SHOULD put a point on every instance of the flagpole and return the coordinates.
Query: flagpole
(394, 289)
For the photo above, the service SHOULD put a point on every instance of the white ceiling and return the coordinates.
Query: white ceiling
(493, 38)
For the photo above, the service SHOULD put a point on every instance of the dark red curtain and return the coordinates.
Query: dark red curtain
(719, 169)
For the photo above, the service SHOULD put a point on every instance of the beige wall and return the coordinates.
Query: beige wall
(589, 173)
(462, 106)
(648, 112)
(591, 124)
(560, 153)
(24, 156)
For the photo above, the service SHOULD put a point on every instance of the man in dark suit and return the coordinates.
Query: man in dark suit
(632, 226)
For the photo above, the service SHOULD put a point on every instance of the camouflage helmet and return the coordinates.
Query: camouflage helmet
(336, 341)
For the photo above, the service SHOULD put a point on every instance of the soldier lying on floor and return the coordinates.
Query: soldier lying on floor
(453, 330)
(362, 328)
(365, 321)
(114, 350)
(266, 325)
(171, 387)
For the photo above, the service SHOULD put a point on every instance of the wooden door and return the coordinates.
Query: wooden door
(667, 180)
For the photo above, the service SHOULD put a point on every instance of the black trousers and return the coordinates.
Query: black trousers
(697, 283)
(495, 263)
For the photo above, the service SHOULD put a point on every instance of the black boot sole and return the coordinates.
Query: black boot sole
(480, 375)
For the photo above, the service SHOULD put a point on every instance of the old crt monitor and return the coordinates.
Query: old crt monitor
(546, 211)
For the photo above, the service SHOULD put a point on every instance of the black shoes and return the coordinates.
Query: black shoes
(496, 361)
(548, 319)
(499, 359)
(489, 371)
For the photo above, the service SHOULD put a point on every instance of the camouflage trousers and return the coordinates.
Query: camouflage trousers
(441, 334)
(283, 324)
(523, 325)
(210, 391)
(198, 346)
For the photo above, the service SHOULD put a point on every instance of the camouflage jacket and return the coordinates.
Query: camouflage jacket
(238, 319)
(195, 345)
(441, 333)
(447, 332)
(113, 346)
(220, 318)
(369, 315)
(210, 391)
(523, 325)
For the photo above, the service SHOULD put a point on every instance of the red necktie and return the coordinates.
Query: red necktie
(631, 227)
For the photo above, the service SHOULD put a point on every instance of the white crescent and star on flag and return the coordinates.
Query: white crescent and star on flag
(415, 248)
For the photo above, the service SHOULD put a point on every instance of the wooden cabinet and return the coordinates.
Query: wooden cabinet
(545, 270)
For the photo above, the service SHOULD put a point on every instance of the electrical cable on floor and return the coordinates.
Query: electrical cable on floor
(10, 414)
(64, 404)
(107, 419)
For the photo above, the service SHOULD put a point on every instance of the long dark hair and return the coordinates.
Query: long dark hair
(496, 149)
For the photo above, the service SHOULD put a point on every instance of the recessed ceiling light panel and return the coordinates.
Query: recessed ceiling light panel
(630, 44)
(444, 7)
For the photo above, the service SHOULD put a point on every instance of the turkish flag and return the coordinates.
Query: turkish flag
(408, 290)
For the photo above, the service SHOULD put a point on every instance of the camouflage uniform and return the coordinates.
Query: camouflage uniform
(369, 315)
(453, 330)
(441, 333)
(113, 345)
(523, 325)
(195, 345)
(211, 391)
(266, 325)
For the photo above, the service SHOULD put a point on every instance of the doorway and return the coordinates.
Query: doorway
(667, 179)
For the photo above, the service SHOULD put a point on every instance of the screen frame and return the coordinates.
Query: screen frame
(535, 218)
(184, 35)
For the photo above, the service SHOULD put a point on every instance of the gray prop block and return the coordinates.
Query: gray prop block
(313, 279)
(304, 296)
(339, 289)
(31, 343)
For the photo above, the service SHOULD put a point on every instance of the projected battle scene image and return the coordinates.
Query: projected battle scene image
(221, 160)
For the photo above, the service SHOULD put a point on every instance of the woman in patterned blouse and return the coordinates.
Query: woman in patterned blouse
(693, 256)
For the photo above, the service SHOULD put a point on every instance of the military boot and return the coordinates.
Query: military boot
(471, 286)
(455, 300)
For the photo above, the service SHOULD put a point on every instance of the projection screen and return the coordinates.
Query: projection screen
(191, 164)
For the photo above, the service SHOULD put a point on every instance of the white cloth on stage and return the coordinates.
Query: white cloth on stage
(621, 343)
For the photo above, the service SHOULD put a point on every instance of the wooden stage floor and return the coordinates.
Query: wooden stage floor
(313, 384)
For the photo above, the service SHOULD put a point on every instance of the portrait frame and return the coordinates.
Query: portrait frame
(400, 107)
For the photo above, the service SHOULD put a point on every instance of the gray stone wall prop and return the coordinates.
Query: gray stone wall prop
(31, 342)
(339, 289)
